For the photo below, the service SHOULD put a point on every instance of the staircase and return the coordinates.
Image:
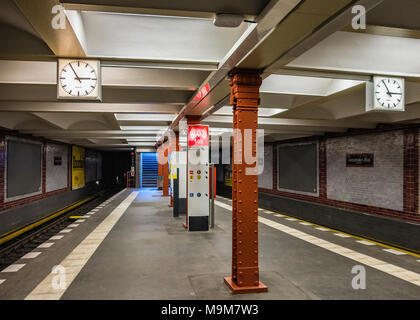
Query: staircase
(149, 170)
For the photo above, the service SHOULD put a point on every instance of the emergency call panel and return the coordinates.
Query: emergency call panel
(198, 178)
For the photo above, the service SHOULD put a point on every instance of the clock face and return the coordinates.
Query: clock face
(389, 93)
(78, 78)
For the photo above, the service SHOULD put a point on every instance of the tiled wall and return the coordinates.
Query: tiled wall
(380, 185)
(390, 188)
(55, 179)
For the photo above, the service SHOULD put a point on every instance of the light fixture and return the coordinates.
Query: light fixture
(262, 112)
(226, 20)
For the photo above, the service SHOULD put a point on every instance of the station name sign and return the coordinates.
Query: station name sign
(359, 160)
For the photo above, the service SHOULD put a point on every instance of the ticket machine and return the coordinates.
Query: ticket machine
(198, 178)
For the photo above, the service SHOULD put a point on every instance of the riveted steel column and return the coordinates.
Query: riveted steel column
(165, 173)
(160, 167)
(245, 86)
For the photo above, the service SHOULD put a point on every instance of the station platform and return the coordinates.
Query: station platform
(130, 247)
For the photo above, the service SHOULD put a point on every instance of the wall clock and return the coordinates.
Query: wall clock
(79, 79)
(386, 94)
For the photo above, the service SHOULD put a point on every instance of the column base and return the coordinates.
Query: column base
(251, 289)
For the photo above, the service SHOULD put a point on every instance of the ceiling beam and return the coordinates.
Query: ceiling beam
(62, 42)
(323, 16)
(298, 122)
(267, 20)
(35, 92)
(387, 31)
(134, 10)
(45, 72)
(36, 106)
(83, 133)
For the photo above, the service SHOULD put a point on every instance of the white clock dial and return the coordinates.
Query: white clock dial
(78, 78)
(389, 93)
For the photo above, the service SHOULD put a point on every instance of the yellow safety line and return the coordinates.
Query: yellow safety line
(17, 232)
(75, 217)
(382, 244)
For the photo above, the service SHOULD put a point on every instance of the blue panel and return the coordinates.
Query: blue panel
(149, 169)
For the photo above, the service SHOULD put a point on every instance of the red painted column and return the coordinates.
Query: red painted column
(165, 173)
(160, 162)
(245, 86)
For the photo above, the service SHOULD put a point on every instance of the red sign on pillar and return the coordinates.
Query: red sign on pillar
(198, 136)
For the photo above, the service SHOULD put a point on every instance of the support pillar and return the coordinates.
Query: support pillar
(165, 173)
(160, 163)
(245, 99)
(176, 149)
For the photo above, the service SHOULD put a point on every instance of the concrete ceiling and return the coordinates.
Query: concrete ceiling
(314, 67)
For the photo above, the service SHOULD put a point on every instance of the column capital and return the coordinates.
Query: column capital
(245, 87)
(193, 119)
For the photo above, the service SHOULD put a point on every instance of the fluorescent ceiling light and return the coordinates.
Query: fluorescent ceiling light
(142, 144)
(221, 129)
(142, 139)
(144, 117)
(363, 53)
(311, 86)
(145, 37)
(262, 112)
(152, 129)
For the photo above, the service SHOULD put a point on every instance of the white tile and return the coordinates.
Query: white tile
(73, 225)
(31, 255)
(80, 220)
(290, 219)
(342, 235)
(14, 268)
(398, 253)
(418, 260)
(56, 237)
(322, 229)
(46, 245)
(90, 213)
(366, 243)
(66, 230)
(305, 224)
(2, 280)
(85, 216)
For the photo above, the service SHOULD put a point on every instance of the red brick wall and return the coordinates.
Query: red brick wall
(411, 179)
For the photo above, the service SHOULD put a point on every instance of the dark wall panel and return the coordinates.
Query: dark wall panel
(298, 167)
(23, 168)
(90, 165)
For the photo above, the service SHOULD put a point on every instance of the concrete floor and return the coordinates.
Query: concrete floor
(149, 255)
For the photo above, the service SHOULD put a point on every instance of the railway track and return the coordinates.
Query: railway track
(13, 250)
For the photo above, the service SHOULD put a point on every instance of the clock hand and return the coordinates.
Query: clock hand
(387, 88)
(77, 77)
